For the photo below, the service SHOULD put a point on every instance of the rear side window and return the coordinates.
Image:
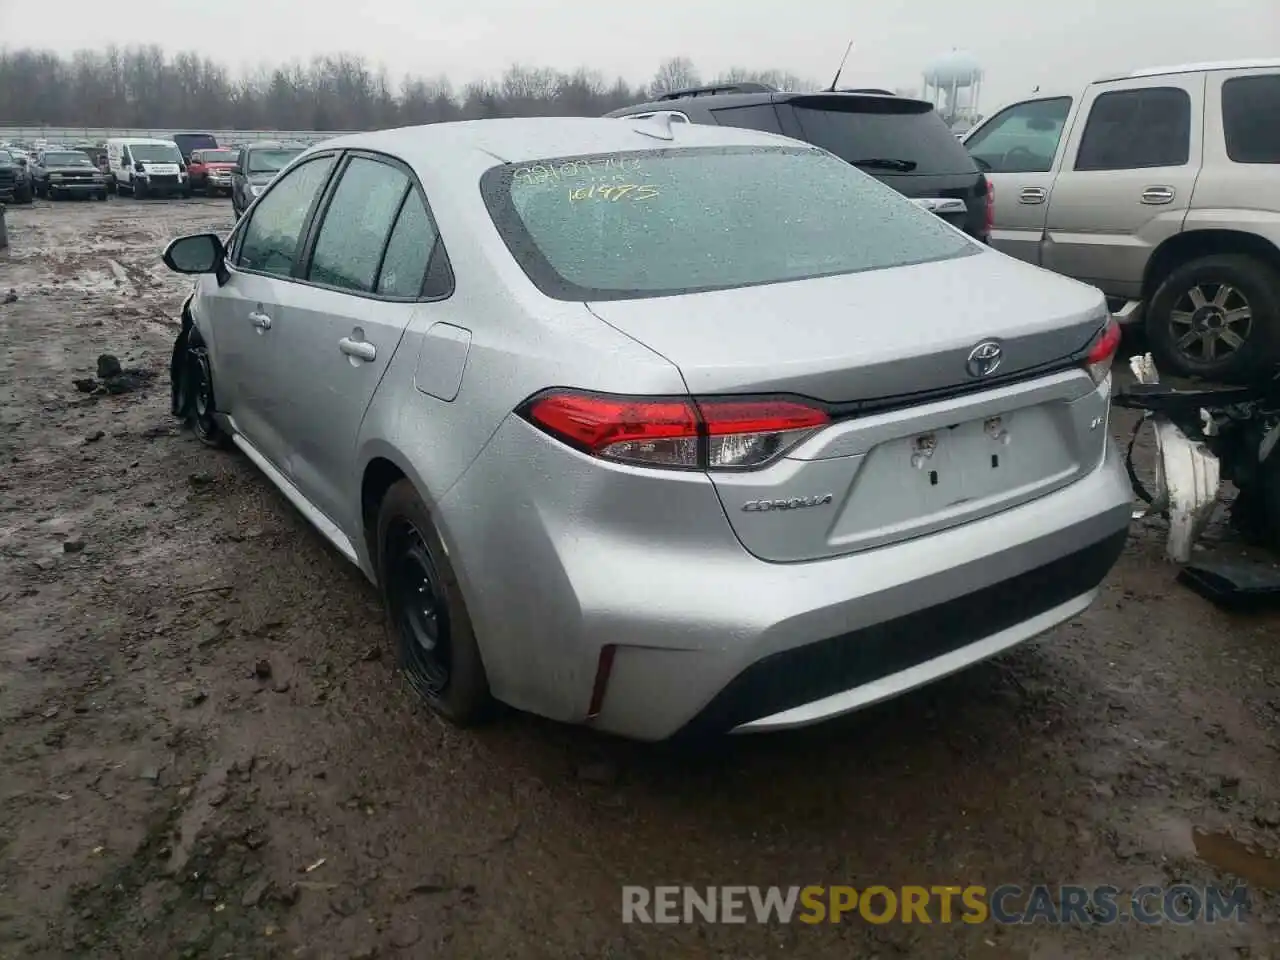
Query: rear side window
(1135, 129)
(665, 222)
(1251, 118)
(413, 243)
(757, 116)
(354, 233)
(1022, 138)
(856, 129)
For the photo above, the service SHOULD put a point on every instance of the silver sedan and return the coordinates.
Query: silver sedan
(663, 428)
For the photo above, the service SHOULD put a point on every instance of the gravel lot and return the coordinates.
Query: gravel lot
(204, 751)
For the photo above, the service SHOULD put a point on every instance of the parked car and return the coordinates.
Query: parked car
(1160, 188)
(256, 166)
(15, 181)
(210, 170)
(143, 167)
(66, 173)
(611, 414)
(898, 140)
(189, 142)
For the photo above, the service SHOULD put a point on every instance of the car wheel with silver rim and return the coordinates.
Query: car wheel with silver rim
(1214, 318)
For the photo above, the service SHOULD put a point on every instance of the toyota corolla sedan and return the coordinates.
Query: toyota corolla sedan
(663, 428)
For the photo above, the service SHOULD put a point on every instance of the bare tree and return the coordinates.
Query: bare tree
(678, 73)
(142, 87)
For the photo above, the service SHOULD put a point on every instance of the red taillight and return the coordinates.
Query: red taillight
(991, 208)
(1103, 351)
(711, 433)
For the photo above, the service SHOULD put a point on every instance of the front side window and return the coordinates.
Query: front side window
(271, 238)
(1022, 138)
(665, 222)
(271, 160)
(356, 225)
(1251, 118)
(1136, 129)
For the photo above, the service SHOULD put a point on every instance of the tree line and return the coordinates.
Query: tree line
(144, 87)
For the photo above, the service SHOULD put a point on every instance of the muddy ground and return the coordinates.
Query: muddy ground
(204, 751)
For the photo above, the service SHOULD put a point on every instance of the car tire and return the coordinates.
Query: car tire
(102, 196)
(1202, 297)
(24, 197)
(139, 191)
(430, 630)
(203, 402)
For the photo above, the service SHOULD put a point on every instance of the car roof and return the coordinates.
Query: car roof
(525, 139)
(749, 98)
(1264, 63)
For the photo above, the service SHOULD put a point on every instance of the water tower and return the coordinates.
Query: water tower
(953, 84)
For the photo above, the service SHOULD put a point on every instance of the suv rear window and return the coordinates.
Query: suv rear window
(665, 222)
(881, 128)
(1251, 118)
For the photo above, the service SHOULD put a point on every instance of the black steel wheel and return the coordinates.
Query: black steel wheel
(435, 646)
(420, 610)
(202, 402)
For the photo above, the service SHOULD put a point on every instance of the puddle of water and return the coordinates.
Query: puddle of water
(1254, 866)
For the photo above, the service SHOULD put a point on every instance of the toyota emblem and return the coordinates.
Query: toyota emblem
(984, 359)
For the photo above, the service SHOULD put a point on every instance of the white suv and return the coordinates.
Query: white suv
(1162, 188)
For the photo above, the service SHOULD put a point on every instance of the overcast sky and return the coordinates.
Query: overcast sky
(1020, 43)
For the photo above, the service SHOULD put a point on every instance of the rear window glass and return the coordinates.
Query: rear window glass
(1251, 118)
(665, 222)
(882, 130)
(218, 156)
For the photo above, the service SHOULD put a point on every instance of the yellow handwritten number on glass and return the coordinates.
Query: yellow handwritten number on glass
(613, 193)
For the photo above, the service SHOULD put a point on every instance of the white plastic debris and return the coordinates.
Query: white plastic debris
(1188, 475)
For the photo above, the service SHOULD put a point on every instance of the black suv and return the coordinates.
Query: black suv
(900, 141)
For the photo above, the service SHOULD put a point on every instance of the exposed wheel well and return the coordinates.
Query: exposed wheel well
(379, 475)
(1194, 244)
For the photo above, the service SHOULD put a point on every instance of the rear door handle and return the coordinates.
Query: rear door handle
(260, 320)
(359, 349)
(1032, 195)
(1157, 195)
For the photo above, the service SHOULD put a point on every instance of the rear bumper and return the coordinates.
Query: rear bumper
(566, 556)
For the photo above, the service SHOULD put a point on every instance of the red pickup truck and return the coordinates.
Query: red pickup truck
(210, 171)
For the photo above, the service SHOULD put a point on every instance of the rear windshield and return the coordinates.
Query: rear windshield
(271, 160)
(69, 159)
(664, 222)
(857, 129)
(218, 156)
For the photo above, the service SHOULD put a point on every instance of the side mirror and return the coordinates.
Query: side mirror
(200, 253)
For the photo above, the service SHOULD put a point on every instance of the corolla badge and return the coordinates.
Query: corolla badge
(984, 359)
(791, 503)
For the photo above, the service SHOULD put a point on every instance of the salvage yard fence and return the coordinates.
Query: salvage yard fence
(25, 134)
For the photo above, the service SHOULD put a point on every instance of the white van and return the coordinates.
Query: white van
(144, 166)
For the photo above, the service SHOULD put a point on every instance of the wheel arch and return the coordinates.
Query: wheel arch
(1192, 244)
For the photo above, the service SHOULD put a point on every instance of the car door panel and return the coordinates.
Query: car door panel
(345, 345)
(1020, 149)
(254, 301)
(343, 326)
(1131, 165)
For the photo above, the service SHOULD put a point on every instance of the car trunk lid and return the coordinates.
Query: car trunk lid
(918, 443)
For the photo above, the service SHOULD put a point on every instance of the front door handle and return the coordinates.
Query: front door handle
(260, 320)
(358, 349)
(1032, 195)
(1157, 195)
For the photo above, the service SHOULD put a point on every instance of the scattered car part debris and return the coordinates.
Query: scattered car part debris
(1202, 437)
(1234, 584)
(114, 379)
